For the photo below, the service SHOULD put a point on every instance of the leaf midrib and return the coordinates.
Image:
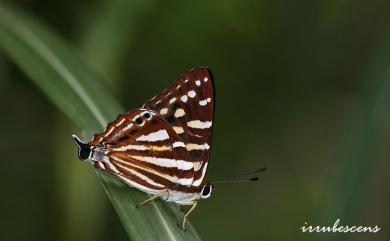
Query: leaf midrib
(32, 40)
(26, 35)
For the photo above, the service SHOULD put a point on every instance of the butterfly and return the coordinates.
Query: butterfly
(162, 148)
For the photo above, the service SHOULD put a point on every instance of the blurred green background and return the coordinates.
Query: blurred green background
(303, 87)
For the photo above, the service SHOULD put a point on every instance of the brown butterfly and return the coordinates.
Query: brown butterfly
(164, 147)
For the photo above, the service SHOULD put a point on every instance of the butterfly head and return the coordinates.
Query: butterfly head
(84, 148)
(206, 190)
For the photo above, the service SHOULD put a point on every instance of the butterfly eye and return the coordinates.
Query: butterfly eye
(147, 116)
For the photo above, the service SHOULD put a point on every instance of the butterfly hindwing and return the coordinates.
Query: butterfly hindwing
(188, 106)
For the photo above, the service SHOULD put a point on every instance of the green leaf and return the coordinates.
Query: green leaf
(58, 73)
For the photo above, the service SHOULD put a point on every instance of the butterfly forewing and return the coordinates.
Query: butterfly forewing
(188, 106)
(144, 150)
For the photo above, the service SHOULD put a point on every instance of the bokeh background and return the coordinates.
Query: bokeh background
(303, 87)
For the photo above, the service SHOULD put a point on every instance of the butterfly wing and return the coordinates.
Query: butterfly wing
(144, 151)
(188, 106)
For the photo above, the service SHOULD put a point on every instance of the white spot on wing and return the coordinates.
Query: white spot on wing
(191, 93)
(193, 146)
(154, 136)
(165, 162)
(179, 113)
(172, 100)
(203, 102)
(128, 127)
(120, 122)
(160, 148)
(163, 111)
(185, 181)
(109, 131)
(205, 79)
(197, 165)
(178, 129)
(101, 165)
(197, 82)
(178, 144)
(131, 147)
(184, 98)
(185, 81)
(143, 148)
(197, 124)
(199, 181)
(112, 167)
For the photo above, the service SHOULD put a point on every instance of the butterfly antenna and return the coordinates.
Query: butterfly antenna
(237, 178)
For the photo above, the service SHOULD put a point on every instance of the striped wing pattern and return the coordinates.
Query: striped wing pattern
(165, 144)
(144, 151)
(188, 106)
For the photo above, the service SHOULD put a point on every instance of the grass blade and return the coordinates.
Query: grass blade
(49, 62)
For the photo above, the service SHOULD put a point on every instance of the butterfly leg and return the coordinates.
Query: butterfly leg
(162, 193)
(187, 214)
